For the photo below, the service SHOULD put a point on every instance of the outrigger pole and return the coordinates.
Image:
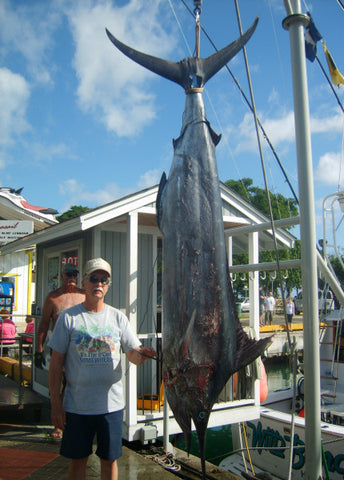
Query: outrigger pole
(295, 23)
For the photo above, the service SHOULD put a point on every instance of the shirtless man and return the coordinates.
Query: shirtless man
(68, 295)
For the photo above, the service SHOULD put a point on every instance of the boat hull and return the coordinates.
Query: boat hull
(269, 440)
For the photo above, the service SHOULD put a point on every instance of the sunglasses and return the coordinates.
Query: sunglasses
(102, 280)
(71, 274)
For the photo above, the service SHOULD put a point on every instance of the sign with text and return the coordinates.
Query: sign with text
(11, 230)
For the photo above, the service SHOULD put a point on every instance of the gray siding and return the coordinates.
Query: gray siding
(113, 249)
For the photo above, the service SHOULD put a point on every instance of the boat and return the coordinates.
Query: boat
(265, 444)
(300, 432)
(14, 206)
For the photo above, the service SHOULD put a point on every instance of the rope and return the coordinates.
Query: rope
(167, 461)
(325, 462)
(247, 448)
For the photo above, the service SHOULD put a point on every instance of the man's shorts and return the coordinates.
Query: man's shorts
(80, 431)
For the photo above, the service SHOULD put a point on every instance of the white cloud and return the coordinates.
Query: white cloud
(44, 154)
(329, 168)
(280, 130)
(330, 124)
(79, 194)
(149, 178)
(110, 85)
(28, 30)
(15, 93)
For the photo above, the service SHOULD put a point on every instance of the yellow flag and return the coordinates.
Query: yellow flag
(336, 77)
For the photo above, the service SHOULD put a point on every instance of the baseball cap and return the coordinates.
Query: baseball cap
(97, 264)
(69, 267)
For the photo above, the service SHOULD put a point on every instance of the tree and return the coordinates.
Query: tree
(74, 211)
(282, 207)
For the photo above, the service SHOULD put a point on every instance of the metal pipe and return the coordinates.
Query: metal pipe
(295, 24)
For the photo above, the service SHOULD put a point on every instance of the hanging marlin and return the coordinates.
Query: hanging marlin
(203, 341)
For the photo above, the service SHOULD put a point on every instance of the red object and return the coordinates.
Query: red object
(30, 328)
(302, 413)
(264, 389)
(7, 331)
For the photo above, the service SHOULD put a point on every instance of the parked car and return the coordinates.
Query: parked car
(245, 305)
(325, 304)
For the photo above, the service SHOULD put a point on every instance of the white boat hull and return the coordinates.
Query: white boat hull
(269, 441)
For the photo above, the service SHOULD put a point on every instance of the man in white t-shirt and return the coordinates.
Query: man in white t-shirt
(270, 304)
(87, 342)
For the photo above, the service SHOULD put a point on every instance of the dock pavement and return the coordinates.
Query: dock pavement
(28, 452)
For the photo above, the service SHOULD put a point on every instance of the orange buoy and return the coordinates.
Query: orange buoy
(264, 389)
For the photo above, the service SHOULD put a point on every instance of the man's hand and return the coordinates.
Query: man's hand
(39, 359)
(58, 415)
(139, 355)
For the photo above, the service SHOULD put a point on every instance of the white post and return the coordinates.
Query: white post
(131, 311)
(253, 257)
(295, 23)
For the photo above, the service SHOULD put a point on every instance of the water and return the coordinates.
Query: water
(219, 439)
(279, 374)
(218, 444)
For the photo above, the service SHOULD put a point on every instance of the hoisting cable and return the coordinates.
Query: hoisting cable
(271, 214)
(265, 135)
(341, 4)
(273, 228)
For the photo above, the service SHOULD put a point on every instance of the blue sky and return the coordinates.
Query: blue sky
(81, 124)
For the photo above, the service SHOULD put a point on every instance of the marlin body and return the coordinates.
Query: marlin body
(203, 341)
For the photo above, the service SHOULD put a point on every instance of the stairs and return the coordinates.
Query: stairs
(329, 355)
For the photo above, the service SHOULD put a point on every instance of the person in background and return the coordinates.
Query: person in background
(8, 331)
(87, 342)
(66, 296)
(30, 328)
(290, 311)
(261, 306)
(270, 304)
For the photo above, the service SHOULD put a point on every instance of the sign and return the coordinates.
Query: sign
(11, 230)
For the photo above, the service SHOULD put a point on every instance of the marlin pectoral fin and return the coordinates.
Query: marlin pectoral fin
(186, 339)
(162, 186)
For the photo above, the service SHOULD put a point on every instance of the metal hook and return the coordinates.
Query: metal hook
(263, 275)
(273, 275)
(197, 12)
(233, 277)
(198, 5)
